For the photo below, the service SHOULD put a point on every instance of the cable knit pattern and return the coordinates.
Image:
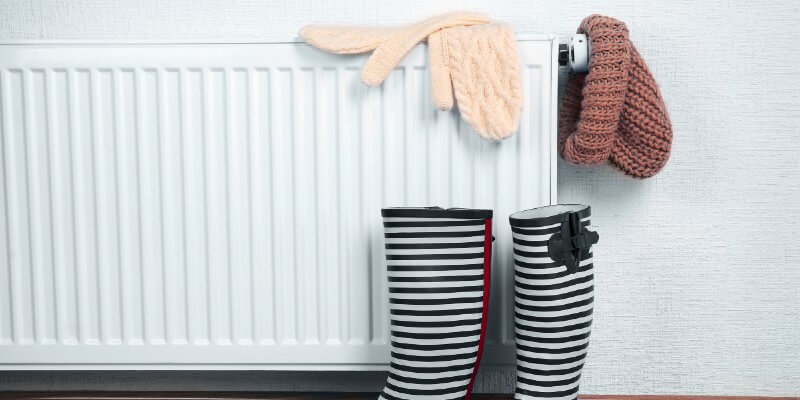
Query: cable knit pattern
(615, 112)
(469, 56)
(485, 74)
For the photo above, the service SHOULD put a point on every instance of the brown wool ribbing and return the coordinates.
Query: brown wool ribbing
(615, 112)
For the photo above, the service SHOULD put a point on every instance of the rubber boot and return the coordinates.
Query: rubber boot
(439, 269)
(553, 299)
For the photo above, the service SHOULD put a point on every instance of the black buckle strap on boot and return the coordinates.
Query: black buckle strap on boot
(569, 244)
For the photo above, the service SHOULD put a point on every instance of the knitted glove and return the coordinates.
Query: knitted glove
(481, 62)
(391, 44)
(476, 60)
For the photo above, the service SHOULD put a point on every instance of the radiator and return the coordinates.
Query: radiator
(217, 205)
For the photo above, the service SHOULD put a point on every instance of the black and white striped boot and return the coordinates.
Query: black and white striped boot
(553, 299)
(439, 264)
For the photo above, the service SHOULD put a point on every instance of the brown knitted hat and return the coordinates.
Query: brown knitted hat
(615, 112)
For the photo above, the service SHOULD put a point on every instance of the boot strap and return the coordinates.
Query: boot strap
(570, 244)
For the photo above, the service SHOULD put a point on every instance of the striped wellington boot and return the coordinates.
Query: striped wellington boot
(439, 263)
(553, 298)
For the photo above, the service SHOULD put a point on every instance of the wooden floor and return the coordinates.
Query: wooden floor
(88, 395)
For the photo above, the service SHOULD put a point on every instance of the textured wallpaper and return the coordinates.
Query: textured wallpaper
(698, 268)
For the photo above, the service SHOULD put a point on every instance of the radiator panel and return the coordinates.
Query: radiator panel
(217, 205)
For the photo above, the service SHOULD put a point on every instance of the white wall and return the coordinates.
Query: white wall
(698, 268)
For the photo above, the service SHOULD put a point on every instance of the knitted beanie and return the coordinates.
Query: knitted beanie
(614, 112)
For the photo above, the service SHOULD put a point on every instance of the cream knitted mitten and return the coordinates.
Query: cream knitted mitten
(482, 65)
(468, 55)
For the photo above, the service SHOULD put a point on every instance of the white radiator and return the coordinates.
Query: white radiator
(189, 206)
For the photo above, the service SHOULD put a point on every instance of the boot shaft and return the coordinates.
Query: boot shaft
(553, 299)
(438, 266)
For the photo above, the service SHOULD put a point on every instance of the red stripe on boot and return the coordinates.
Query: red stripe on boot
(487, 280)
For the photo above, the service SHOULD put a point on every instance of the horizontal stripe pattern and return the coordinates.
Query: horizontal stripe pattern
(436, 279)
(552, 314)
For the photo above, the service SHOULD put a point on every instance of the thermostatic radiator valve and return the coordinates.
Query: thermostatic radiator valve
(575, 54)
